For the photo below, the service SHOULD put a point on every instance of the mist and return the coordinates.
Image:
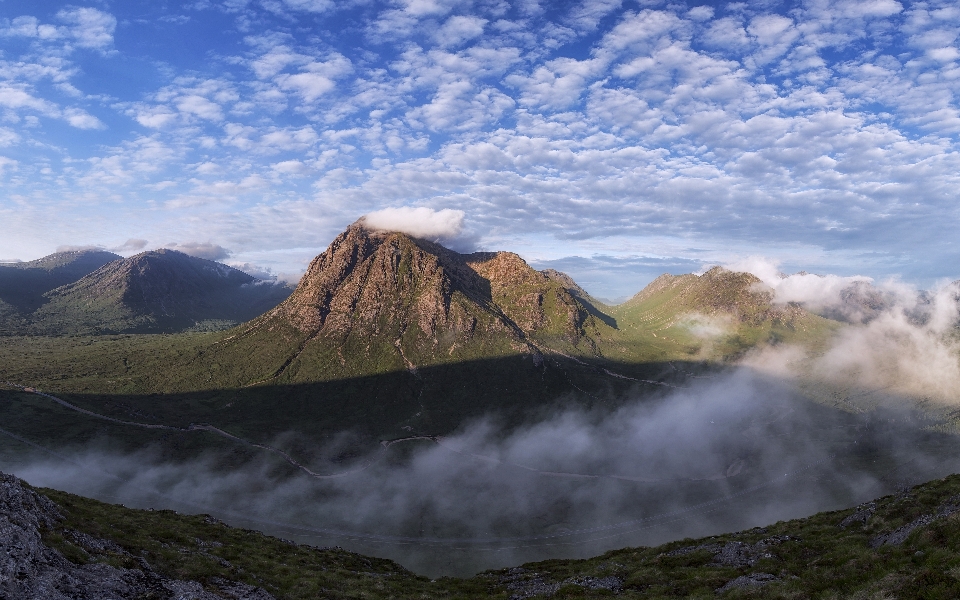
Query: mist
(736, 451)
(897, 338)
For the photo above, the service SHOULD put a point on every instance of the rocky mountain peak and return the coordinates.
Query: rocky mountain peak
(385, 300)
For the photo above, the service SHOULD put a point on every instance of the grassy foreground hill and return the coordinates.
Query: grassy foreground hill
(905, 545)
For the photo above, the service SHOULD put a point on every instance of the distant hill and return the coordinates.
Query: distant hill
(714, 316)
(22, 285)
(157, 291)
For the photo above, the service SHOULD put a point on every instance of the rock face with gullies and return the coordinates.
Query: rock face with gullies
(378, 301)
(157, 291)
(31, 570)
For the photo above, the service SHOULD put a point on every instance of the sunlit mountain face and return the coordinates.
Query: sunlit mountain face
(638, 136)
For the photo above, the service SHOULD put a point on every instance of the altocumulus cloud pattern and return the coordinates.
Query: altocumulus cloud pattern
(821, 132)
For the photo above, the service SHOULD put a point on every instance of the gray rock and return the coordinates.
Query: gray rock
(900, 535)
(746, 581)
(30, 570)
(861, 516)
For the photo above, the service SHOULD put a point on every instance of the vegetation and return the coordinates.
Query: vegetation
(905, 545)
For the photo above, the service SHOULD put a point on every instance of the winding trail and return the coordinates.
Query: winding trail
(733, 470)
(196, 427)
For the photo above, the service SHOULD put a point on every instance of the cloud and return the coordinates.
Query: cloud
(458, 29)
(262, 273)
(131, 245)
(898, 338)
(422, 222)
(89, 27)
(79, 248)
(85, 27)
(205, 250)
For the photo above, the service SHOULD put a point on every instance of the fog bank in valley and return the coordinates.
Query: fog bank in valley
(742, 448)
(736, 451)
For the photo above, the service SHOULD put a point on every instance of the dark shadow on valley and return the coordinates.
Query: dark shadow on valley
(578, 451)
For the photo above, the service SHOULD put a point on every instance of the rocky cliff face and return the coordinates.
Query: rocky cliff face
(31, 570)
(377, 301)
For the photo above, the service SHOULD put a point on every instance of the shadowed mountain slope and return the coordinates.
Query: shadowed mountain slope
(157, 291)
(23, 285)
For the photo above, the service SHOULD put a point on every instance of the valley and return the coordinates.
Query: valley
(463, 412)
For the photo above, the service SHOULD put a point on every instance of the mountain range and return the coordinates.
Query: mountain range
(161, 291)
(390, 338)
(387, 335)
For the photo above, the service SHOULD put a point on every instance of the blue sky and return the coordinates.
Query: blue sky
(614, 140)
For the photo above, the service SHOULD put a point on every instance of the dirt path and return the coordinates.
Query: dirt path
(733, 470)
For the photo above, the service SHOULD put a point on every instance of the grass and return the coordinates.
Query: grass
(813, 557)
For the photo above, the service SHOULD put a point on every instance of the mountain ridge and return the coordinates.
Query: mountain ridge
(156, 291)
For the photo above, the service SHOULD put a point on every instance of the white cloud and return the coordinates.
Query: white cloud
(458, 29)
(85, 27)
(700, 13)
(422, 222)
(89, 27)
(314, 6)
(587, 15)
(726, 33)
(199, 106)
(205, 250)
(82, 120)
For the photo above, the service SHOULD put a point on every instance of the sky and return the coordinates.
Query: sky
(614, 140)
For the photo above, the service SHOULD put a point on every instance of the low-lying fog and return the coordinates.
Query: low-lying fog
(732, 452)
(738, 450)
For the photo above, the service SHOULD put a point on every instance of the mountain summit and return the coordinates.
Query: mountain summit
(378, 301)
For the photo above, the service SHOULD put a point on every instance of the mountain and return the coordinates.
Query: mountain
(388, 335)
(63, 546)
(157, 291)
(23, 285)
(378, 302)
(714, 316)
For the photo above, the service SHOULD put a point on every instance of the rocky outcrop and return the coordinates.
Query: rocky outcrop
(31, 570)
(377, 300)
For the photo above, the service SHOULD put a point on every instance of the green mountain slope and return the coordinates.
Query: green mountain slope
(714, 316)
(23, 285)
(901, 546)
(157, 291)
